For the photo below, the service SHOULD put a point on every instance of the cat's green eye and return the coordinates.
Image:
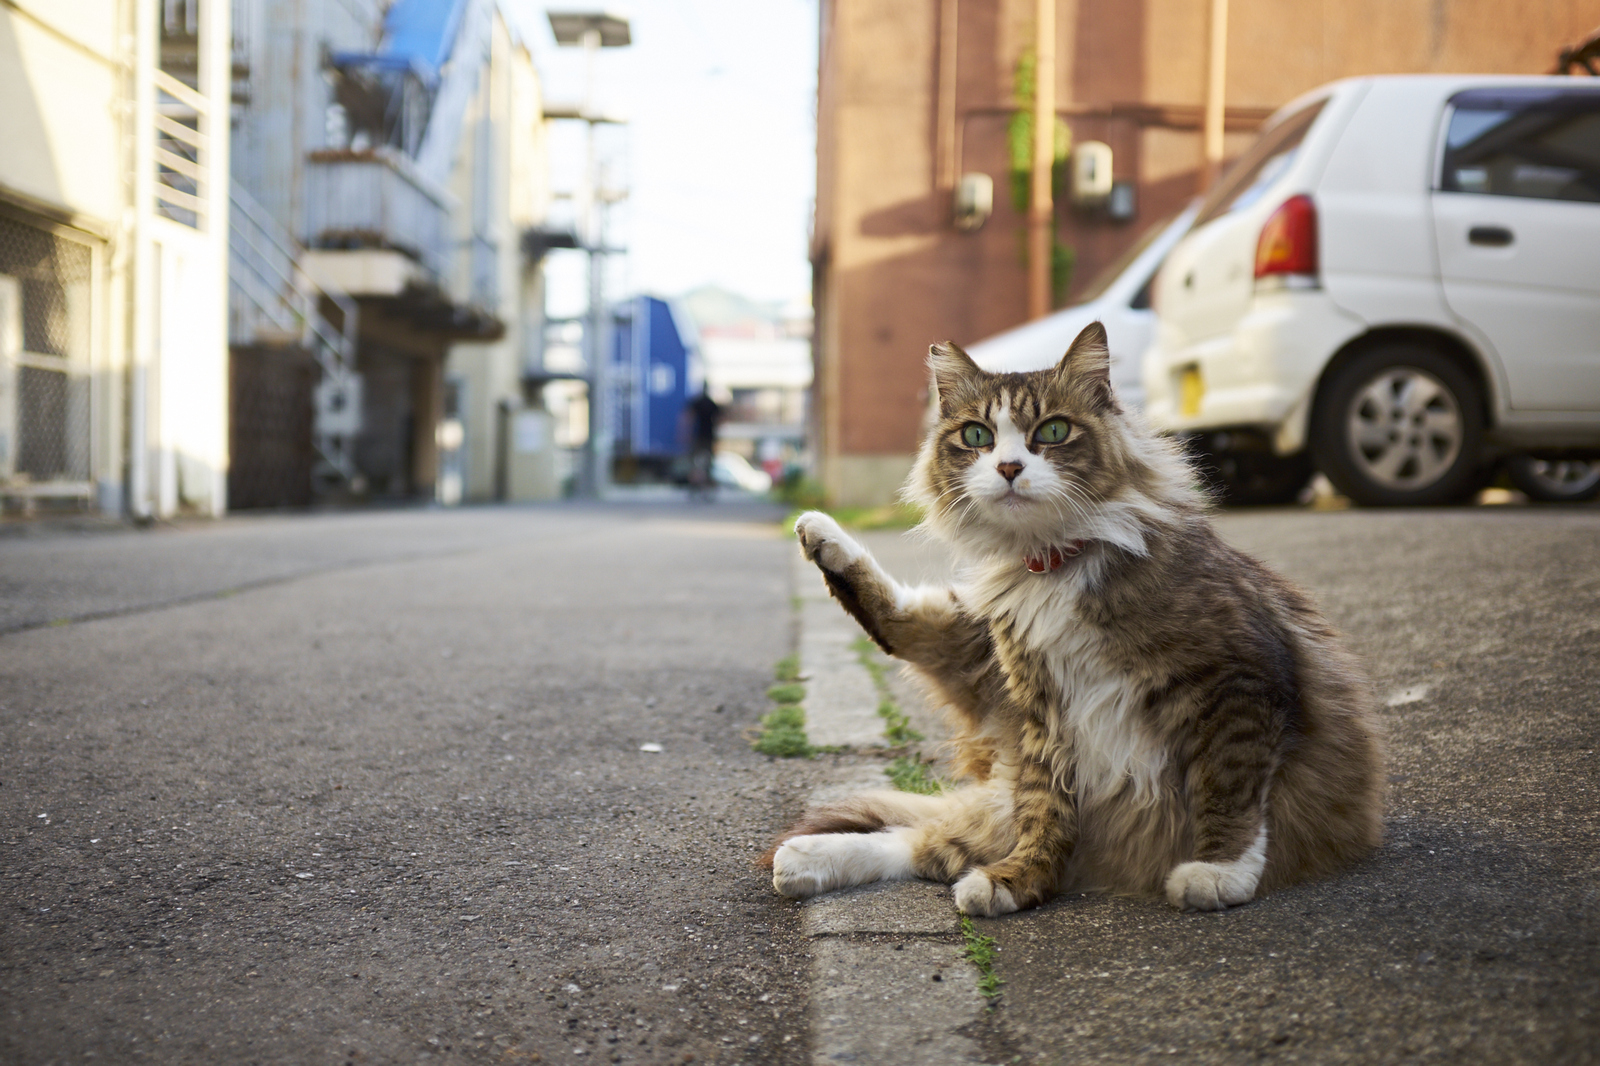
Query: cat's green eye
(1052, 432)
(976, 435)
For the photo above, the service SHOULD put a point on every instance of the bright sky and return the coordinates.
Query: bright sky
(719, 155)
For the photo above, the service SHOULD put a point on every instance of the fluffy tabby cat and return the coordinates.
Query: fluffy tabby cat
(1141, 708)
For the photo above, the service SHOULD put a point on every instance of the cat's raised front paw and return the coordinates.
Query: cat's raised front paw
(977, 894)
(825, 543)
(1211, 886)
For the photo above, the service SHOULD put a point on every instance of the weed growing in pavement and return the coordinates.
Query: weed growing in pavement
(909, 775)
(783, 733)
(783, 729)
(788, 668)
(979, 950)
(897, 727)
(790, 692)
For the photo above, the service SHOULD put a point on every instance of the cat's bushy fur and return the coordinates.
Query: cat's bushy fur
(1161, 714)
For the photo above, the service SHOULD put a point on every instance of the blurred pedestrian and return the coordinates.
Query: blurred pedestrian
(703, 415)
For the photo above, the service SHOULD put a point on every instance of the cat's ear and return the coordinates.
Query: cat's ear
(1087, 363)
(951, 368)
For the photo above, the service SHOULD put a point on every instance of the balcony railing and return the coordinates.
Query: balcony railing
(374, 198)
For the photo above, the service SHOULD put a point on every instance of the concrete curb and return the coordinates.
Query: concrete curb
(889, 985)
(841, 700)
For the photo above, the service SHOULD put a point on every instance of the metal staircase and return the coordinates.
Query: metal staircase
(273, 301)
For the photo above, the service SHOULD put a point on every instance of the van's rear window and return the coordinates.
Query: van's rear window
(1539, 143)
(1261, 165)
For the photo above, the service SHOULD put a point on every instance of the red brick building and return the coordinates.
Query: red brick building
(914, 93)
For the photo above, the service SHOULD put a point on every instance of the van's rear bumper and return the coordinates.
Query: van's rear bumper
(1260, 375)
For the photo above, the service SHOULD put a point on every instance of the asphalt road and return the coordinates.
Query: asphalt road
(1473, 935)
(370, 788)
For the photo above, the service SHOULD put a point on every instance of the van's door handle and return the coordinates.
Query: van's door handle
(1490, 236)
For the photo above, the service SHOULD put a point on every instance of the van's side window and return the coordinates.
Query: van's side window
(1539, 143)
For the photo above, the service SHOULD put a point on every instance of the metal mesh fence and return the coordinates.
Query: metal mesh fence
(51, 420)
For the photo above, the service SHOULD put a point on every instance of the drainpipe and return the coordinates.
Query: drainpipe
(946, 175)
(1041, 215)
(1216, 94)
(142, 425)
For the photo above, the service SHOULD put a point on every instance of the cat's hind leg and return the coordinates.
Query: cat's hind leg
(806, 866)
(888, 836)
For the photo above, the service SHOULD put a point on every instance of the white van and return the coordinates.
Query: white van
(1400, 282)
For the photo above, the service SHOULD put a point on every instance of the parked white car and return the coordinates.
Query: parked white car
(1400, 281)
(1119, 297)
(732, 470)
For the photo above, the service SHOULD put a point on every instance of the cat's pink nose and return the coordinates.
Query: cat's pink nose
(1009, 471)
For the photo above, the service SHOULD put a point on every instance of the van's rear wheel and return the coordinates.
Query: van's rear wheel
(1401, 426)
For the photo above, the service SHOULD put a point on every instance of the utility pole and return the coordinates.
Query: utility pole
(1041, 214)
(1216, 94)
(597, 447)
(593, 30)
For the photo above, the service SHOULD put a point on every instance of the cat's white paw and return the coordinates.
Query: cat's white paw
(801, 870)
(977, 894)
(1211, 886)
(821, 862)
(825, 543)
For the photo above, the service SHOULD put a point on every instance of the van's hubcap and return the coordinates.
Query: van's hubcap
(1405, 429)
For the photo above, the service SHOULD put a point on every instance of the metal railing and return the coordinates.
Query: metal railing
(376, 198)
(273, 300)
(181, 151)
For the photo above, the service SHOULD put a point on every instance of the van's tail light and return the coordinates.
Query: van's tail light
(1288, 243)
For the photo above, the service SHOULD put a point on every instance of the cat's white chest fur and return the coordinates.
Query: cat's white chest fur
(1098, 721)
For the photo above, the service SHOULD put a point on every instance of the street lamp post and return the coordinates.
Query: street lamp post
(593, 30)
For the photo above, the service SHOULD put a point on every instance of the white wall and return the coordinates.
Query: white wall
(58, 125)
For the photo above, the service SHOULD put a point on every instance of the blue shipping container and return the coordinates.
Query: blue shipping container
(654, 372)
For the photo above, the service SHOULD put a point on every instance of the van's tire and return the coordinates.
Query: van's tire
(1400, 426)
(1556, 480)
(1253, 478)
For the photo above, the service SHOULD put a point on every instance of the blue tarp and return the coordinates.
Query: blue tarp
(418, 35)
(423, 31)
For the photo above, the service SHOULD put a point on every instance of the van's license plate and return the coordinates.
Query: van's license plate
(1191, 389)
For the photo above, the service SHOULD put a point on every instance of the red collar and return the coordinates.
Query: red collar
(1053, 558)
